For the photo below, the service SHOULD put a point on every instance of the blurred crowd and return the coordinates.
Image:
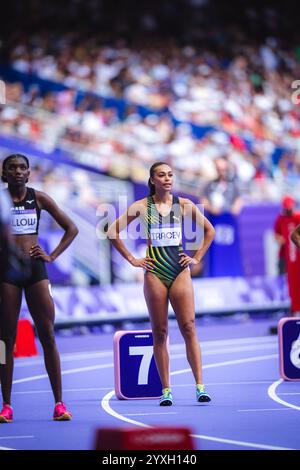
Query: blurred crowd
(248, 92)
(237, 87)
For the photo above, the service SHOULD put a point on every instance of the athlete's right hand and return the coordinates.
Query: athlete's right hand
(145, 263)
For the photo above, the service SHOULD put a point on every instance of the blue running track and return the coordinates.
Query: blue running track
(251, 407)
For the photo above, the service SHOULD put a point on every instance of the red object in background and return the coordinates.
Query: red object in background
(25, 343)
(238, 142)
(284, 226)
(158, 438)
(289, 203)
(293, 276)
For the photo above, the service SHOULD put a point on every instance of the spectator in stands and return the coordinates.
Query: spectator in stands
(280, 229)
(295, 237)
(213, 73)
(222, 194)
(286, 227)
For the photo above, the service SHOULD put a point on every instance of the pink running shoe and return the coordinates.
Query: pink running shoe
(61, 413)
(6, 414)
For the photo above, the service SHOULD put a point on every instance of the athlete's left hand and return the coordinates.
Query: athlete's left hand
(38, 253)
(186, 260)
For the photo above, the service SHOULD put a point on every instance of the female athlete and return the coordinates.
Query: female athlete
(167, 275)
(27, 205)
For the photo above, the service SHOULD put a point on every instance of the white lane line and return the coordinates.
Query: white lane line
(225, 383)
(103, 389)
(100, 389)
(68, 357)
(16, 437)
(236, 349)
(151, 414)
(267, 409)
(227, 363)
(289, 393)
(230, 342)
(103, 366)
(107, 408)
(65, 372)
(13, 437)
(272, 394)
(240, 443)
(99, 355)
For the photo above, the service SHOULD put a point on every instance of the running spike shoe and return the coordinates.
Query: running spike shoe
(6, 414)
(201, 394)
(61, 413)
(166, 399)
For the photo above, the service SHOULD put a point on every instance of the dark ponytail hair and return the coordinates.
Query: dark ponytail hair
(152, 171)
(4, 163)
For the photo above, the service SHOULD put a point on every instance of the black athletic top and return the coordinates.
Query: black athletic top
(25, 215)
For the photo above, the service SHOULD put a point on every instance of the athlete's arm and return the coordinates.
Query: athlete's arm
(113, 234)
(295, 237)
(48, 204)
(190, 209)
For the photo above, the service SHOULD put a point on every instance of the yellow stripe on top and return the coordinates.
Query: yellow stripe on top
(158, 266)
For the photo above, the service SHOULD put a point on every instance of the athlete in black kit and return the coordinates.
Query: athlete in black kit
(25, 215)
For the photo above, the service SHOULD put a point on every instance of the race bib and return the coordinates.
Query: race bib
(166, 236)
(23, 222)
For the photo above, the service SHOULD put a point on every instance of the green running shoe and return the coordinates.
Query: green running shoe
(201, 395)
(166, 399)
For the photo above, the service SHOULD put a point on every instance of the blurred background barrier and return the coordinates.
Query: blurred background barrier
(120, 302)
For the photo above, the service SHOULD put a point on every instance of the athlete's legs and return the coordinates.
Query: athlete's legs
(41, 307)
(156, 296)
(181, 294)
(11, 297)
